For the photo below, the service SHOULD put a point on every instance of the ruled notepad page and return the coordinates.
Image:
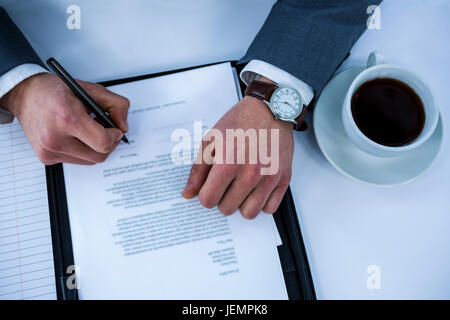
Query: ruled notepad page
(26, 257)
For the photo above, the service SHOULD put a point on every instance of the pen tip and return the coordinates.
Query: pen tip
(124, 139)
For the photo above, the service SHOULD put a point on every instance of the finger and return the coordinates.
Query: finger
(239, 189)
(95, 136)
(275, 198)
(219, 178)
(50, 158)
(77, 149)
(257, 199)
(116, 105)
(198, 175)
(62, 158)
(73, 147)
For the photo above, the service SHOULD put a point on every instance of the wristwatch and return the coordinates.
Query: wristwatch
(285, 103)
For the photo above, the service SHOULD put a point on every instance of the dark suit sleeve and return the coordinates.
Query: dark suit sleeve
(310, 38)
(14, 48)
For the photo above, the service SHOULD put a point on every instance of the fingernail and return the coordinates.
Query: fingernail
(186, 190)
(125, 128)
(119, 137)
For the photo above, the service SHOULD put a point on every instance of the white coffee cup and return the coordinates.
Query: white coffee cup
(377, 68)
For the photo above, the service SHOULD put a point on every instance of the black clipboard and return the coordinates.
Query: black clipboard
(292, 252)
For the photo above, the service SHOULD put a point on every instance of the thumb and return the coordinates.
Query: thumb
(116, 105)
(119, 113)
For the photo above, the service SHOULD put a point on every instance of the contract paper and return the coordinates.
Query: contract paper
(135, 237)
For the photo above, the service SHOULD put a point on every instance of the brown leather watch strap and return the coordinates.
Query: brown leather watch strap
(301, 124)
(260, 90)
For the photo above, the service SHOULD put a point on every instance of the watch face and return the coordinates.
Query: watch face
(286, 103)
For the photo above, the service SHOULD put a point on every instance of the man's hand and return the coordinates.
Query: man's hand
(58, 125)
(241, 186)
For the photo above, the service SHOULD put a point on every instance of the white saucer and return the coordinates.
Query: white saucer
(353, 162)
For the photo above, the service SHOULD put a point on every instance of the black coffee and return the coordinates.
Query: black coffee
(388, 112)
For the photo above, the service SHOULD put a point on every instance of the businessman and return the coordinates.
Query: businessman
(299, 46)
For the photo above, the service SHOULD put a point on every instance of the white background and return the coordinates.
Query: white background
(123, 38)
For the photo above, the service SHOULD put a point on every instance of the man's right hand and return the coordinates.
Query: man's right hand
(57, 124)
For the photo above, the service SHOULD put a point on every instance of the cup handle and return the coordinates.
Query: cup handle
(374, 59)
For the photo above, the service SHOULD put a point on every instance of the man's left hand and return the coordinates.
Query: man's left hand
(242, 186)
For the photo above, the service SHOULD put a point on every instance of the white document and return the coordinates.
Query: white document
(133, 234)
(26, 257)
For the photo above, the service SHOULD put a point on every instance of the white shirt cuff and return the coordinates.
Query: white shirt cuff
(256, 69)
(12, 78)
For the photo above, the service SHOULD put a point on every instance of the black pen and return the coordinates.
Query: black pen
(82, 95)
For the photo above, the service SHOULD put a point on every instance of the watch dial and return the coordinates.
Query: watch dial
(286, 103)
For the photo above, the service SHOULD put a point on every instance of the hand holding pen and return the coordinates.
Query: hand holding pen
(57, 123)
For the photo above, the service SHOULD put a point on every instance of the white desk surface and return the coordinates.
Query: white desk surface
(124, 38)
(347, 225)
(405, 230)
